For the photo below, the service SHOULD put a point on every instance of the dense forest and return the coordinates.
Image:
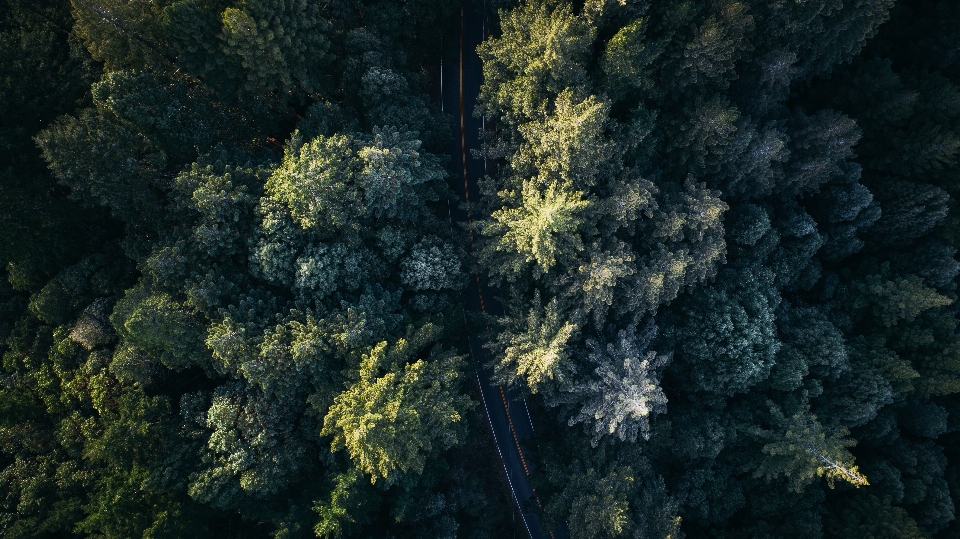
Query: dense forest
(723, 234)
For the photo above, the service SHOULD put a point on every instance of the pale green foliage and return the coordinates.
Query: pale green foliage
(806, 450)
(273, 261)
(601, 13)
(567, 146)
(92, 328)
(331, 182)
(535, 350)
(162, 326)
(572, 216)
(541, 52)
(599, 505)
(541, 230)
(314, 182)
(399, 411)
(627, 203)
(606, 492)
(277, 357)
(278, 267)
(131, 364)
(274, 254)
(393, 166)
(222, 195)
(696, 212)
(688, 230)
(335, 516)
(625, 392)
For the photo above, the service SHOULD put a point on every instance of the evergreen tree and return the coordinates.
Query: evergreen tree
(723, 233)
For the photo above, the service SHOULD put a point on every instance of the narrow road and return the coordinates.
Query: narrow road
(508, 416)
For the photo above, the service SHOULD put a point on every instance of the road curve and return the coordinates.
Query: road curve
(507, 416)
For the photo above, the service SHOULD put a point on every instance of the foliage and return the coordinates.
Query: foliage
(201, 304)
(392, 422)
(806, 450)
(625, 393)
(771, 187)
(722, 234)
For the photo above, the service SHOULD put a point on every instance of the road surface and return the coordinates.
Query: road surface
(508, 416)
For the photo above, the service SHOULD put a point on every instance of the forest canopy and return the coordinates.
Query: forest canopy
(233, 269)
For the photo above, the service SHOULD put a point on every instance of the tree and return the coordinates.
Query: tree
(542, 229)
(890, 299)
(702, 137)
(330, 182)
(400, 411)
(599, 505)
(214, 254)
(534, 350)
(819, 146)
(627, 60)
(118, 152)
(47, 75)
(567, 145)
(806, 451)
(824, 35)
(250, 450)
(607, 491)
(162, 327)
(597, 284)
(714, 48)
(253, 304)
(541, 52)
(726, 339)
(280, 46)
(349, 500)
(122, 34)
(909, 211)
(625, 392)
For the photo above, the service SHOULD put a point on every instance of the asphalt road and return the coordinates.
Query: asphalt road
(508, 417)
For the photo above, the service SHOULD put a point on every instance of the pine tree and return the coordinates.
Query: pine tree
(541, 231)
(541, 52)
(806, 451)
(625, 392)
(399, 412)
(534, 351)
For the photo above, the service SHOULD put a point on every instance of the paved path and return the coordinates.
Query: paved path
(509, 419)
